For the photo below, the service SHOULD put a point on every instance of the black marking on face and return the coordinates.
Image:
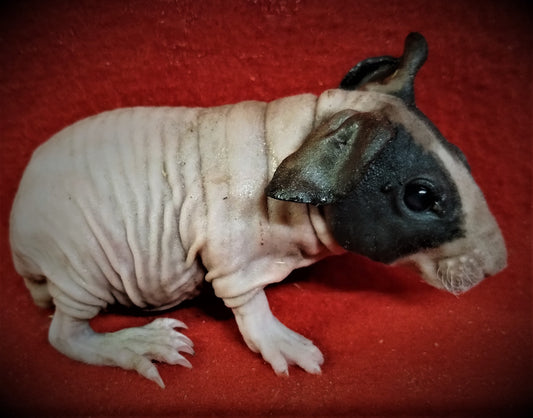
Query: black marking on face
(406, 201)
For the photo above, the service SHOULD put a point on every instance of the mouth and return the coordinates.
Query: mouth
(455, 274)
(461, 273)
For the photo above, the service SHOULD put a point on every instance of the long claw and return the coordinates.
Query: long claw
(184, 362)
(152, 374)
(188, 350)
(165, 323)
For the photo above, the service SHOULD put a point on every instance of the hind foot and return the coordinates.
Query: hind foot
(130, 348)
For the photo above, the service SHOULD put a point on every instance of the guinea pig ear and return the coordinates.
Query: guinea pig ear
(390, 75)
(332, 159)
(369, 70)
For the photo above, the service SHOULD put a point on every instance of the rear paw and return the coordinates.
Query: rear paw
(130, 348)
(135, 348)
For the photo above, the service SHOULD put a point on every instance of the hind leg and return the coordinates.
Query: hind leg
(130, 348)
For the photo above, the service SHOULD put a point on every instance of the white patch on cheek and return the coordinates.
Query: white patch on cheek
(483, 240)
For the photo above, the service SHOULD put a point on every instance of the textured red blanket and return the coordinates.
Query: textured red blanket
(393, 345)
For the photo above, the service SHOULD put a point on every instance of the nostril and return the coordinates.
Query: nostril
(494, 254)
(494, 259)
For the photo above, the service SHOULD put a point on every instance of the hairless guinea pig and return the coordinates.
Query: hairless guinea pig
(137, 206)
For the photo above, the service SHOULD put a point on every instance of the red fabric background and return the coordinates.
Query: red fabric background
(393, 345)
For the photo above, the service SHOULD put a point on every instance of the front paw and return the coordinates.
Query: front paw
(278, 345)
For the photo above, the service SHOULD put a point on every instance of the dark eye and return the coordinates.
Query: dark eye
(418, 197)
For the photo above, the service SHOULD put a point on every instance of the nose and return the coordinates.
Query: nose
(496, 250)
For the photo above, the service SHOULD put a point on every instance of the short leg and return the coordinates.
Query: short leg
(130, 348)
(278, 345)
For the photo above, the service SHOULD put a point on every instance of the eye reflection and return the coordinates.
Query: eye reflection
(418, 197)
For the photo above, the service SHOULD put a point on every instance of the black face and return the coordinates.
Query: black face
(406, 201)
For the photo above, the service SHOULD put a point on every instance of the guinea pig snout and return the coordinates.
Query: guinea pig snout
(461, 273)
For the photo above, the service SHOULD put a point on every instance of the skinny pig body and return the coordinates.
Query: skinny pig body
(136, 206)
